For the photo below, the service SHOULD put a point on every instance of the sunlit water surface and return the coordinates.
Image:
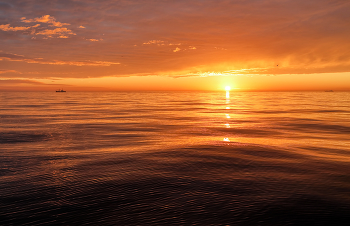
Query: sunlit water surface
(177, 158)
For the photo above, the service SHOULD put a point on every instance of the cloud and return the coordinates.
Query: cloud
(11, 81)
(7, 27)
(158, 42)
(176, 50)
(20, 58)
(45, 19)
(58, 32)
(10, 56)
(8, 71)
(24, 84)
(77, 63)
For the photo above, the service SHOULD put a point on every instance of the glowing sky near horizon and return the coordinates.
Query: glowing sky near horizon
(174, 45)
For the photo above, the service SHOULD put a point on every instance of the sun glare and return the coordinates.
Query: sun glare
(227, 88)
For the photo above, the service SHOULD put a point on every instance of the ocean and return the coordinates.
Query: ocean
(175, 158)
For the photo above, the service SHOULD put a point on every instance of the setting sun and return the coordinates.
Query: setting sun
(227, 88)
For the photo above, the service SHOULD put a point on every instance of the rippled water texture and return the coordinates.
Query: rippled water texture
(174, 158)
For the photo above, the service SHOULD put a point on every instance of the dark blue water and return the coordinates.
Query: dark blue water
(174, 158)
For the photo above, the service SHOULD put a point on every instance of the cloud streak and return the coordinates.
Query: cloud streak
(9, 71)
(19, 81)
(19, 58)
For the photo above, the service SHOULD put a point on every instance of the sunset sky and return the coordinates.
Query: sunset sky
(89, 45)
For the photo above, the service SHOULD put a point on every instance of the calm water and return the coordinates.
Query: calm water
(174, 158)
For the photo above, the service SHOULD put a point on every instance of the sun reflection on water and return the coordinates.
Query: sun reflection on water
(227, 125)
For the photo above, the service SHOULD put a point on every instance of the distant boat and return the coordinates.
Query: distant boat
(60, 91)
(329, 90)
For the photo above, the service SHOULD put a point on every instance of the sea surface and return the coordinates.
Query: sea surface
(174, 158)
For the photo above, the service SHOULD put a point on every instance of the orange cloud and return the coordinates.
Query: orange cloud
(45, 19)
(153, 42)
(6, 27)
(160, 43)
(8, 71)
(176, 50)
(61, 32)
(76, 63)
(20, 58)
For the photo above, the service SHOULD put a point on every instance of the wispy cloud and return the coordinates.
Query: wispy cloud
(161, 43)
(20, 58)
(93, 40)
(10, 81)
(8, 71)
(157, 42)
(77, 63)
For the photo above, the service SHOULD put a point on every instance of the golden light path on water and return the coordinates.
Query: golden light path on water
(289, 143)
(227, 88)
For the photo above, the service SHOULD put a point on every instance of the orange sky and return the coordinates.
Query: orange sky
(174, 45)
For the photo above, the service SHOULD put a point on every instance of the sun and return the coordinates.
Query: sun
(227, 88)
